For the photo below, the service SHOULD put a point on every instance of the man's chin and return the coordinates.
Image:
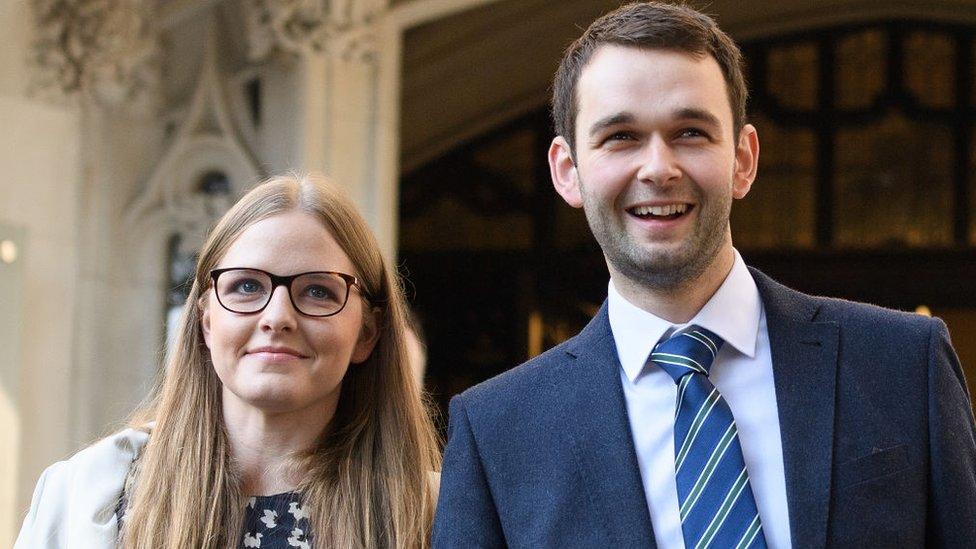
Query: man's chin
(660, 268)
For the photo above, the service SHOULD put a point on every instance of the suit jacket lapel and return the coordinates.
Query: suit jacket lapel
(804, 355)
(596, 418)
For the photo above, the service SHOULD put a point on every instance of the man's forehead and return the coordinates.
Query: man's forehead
(631, 78)
(617, 62)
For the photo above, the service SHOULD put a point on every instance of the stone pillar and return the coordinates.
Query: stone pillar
(347, 118)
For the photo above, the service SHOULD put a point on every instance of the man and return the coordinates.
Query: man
(705, 404)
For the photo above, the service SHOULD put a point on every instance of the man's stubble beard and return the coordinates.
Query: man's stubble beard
(662, 269)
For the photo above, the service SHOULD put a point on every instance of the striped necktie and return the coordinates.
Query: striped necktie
(716, 503)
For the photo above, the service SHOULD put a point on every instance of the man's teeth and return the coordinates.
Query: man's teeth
(669, 209)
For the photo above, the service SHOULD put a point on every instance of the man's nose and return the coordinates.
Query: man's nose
(659, 164)
(280, 314)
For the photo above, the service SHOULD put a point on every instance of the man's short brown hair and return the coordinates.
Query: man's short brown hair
(653, 25)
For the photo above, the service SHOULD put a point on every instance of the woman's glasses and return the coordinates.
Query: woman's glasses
(318, 293)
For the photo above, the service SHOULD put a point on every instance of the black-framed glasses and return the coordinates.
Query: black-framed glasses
(317, 293)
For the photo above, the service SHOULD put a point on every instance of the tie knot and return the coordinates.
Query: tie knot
(689, 351)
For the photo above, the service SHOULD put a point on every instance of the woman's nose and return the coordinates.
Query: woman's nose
(279, 314)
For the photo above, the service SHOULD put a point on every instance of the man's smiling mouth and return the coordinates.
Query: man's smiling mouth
(663, 212)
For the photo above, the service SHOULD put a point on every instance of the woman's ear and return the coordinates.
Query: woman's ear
(204, 310)
(369, 334)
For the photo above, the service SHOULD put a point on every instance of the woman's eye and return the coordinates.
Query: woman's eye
(318, 292)
(248, 287)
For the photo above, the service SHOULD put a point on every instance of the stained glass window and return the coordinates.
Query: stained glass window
(877, 156)
(793, 75)
(860, 68)
(930, 64)
(894, 185)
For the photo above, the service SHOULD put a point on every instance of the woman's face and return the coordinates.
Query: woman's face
(278, 359)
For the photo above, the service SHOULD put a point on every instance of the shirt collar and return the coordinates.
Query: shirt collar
(733, 313)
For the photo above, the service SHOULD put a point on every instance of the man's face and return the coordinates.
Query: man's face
(656, 164)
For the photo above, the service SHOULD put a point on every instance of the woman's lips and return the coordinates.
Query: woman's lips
(276, 353)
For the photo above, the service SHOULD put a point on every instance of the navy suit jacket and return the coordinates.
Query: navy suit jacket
(877, 429)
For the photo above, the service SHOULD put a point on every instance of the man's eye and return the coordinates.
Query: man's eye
(692, 133)
(617, 138)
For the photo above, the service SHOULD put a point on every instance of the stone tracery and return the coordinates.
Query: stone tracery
(106, 49)
(110, 49)
(296, 26)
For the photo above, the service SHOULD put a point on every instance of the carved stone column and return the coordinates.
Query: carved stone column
(103, 58)
(342, 126)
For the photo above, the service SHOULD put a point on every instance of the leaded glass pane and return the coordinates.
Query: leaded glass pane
(792, 72)
(894, 185)
(929, 68)
(779, 211)
(861, 70)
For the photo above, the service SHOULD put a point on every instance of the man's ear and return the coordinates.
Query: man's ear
(369, 334)
(746, 161)
(204, 310)
(562, 168)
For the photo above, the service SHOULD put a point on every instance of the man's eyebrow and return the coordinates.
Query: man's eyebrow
(688, 113)
(612, 120)
(700, 115)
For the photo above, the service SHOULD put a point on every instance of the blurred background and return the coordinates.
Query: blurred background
(129, 126)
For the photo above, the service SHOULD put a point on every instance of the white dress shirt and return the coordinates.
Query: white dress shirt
(742, 372)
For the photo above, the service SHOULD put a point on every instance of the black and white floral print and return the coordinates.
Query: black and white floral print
(276, 522)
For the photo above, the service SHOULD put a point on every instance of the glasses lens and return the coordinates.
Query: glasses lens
(243, 290)
(319, 293)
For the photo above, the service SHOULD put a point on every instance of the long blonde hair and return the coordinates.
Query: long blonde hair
(366, 480)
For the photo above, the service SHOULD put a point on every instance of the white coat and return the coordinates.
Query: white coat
(74, 502)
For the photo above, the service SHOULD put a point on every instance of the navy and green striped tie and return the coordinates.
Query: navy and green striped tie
(715, 500)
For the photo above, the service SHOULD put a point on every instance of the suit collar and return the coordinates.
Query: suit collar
(732, 312)
(804, 354)
(596, 419)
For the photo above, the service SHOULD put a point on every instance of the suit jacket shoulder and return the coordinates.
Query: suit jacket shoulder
(861, 325)
(515, 385)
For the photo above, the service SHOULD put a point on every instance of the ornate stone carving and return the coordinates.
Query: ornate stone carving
(107, 49)
(207, 142)
(346, 27)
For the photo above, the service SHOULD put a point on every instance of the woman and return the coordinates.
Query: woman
(287, 416)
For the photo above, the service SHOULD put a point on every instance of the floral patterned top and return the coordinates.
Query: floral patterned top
(276, 522)
(270, 522)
